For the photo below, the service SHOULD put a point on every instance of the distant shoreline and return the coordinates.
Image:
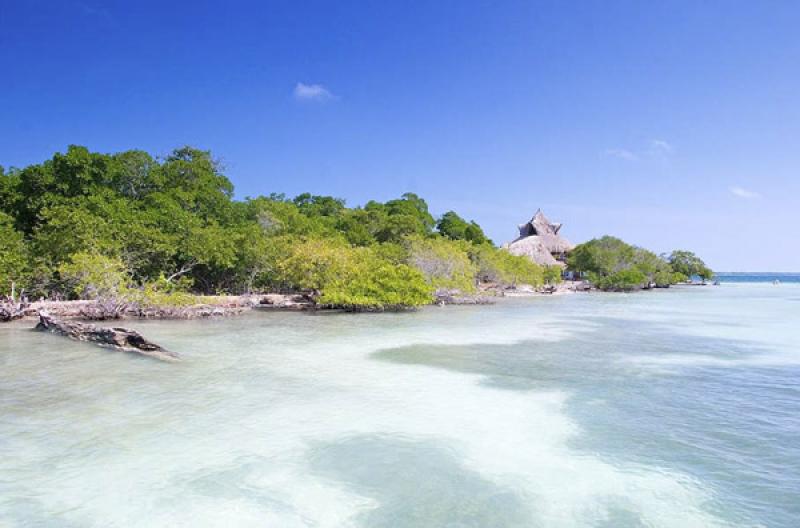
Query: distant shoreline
(757, 274)
(757, 277)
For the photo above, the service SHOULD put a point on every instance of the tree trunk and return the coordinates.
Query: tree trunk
(122, 339)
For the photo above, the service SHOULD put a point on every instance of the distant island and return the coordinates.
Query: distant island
(131, 234)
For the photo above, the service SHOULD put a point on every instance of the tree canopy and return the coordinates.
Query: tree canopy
(613, 264)
(689, 265)
(14, 265)
(453, 226)
(162, 222)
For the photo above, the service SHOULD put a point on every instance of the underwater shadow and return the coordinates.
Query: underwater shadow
(418, 484)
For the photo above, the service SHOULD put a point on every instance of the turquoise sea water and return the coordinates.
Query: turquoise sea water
(757, 277)
(674, 408)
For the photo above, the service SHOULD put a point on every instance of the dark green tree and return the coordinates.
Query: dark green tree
(456, 228)
(14, 263)
(689, 265)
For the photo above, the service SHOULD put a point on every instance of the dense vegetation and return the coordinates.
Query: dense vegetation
(92, 225)
(614, 265)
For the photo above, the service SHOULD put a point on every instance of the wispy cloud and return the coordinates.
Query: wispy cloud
(312, 92)
(653, 149)
(659, 146)
(624, 154)
(743, 193)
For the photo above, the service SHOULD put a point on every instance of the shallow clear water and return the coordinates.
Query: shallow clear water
(668, 408)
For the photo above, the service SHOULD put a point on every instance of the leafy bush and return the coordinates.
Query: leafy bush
(623, 280)
(312, 264)
(164, 293)
(14, 268)
(353, 277)
(500, 266)
(614, 265)
(94, 276)
(552, 274)
(377, 284)
(444, 263)
(688, 265)
(456, 228)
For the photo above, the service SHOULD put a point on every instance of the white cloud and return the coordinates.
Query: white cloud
(659, 146)
(655, 149)
(312, 92)
(622, 154)
(743, 193)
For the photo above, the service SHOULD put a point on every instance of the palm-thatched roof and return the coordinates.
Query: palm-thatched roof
(539, 240)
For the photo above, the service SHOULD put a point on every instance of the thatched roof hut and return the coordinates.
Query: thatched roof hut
(539, 240)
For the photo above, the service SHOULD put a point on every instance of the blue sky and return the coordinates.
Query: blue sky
(669, 124)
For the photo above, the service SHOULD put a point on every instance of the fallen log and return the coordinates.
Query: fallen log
(122, 339)
(456, 297)
(298, 301)
(9, 312)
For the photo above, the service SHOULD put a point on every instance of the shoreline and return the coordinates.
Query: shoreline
(217, 306)
(212, 306)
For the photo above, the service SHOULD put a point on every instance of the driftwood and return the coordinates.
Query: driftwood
(298, 301)
(445, 296)
(122, 339)
(10, 311)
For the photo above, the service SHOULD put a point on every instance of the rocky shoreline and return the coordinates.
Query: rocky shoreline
(230, 305)
(67, 318)
(218, 306)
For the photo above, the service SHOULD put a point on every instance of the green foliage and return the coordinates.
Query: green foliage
(614, 265)
(454, 227)
(85, 232)
(394, 253)
(156, 231)
(688, 265)
(374, 283)
(655, 269)
(9, 196)
(14, 267)
(163, 293)
(603, 256)
(444, 263)
(623, 280)
(195, 182)
(128, 225)
(276, 216)
(400, 226)
(552, 274)
(352, 277)
(412, 205)
(397, 219)
(501, 267)
(312, 206)
(354, 226)
(312, 264)
(94, 276)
